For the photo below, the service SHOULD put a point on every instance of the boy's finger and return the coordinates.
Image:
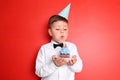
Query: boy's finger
(74, 56)
(69, 63)
(54, 57)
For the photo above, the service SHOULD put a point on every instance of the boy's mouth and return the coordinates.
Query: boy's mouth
(62, 36)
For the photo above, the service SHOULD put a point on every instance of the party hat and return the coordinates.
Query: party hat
(65, 12)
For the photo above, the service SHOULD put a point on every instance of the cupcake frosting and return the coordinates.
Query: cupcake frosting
(65, 50)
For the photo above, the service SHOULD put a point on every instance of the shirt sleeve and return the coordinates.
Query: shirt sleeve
(43, 69)
(77, 67)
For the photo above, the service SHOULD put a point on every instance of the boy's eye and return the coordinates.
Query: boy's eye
(57, 29)
(65, 29)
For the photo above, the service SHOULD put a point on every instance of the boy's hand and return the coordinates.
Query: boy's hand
(72, 61)
(58, 61)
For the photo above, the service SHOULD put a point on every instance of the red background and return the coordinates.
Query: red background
(94, 28)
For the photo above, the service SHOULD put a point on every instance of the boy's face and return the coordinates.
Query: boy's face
(59, 31)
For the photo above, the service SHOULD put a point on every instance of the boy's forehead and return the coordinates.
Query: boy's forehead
(60, 23)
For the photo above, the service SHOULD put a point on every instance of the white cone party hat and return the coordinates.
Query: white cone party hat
(65, 12)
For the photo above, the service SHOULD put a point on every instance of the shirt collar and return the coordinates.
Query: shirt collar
(53, 42)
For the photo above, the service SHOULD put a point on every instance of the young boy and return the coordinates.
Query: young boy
(49, 64)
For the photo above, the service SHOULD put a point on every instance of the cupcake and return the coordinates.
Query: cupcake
(65, 52)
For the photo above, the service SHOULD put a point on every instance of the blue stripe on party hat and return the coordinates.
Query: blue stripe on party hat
(65, 12)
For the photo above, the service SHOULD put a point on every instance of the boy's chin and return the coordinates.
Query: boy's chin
(60, 41)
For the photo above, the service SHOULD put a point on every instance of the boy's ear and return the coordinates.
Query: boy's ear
(49, 31)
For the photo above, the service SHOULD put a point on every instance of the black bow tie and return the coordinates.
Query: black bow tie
(56, 45)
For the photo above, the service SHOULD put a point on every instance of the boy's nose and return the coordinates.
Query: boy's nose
(62, 31)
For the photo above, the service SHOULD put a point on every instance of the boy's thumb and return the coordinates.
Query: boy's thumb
(74, 56)
(53, 57)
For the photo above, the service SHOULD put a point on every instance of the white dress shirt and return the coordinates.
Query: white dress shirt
(47, 70)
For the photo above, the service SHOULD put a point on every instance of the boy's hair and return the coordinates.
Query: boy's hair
(56, 18)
